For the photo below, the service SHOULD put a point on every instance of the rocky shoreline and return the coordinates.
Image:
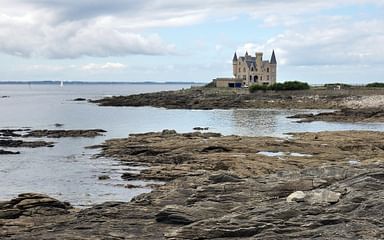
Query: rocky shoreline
(326, 185)
(345, 115)
(216, 98)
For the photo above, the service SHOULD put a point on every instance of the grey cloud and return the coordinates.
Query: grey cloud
(72, 10)
(83, 9)
(100, 28)
(346, 43)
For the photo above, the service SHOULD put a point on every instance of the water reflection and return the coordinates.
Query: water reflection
(257, 122)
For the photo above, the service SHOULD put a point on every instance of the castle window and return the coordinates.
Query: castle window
(261, 78)
(268, 78)
(239, 69)
(244, 69)
(267, 69)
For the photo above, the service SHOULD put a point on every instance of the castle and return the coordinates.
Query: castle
(250, 70)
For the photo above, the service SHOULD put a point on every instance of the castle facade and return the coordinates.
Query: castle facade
(249, 70)
(255, 70)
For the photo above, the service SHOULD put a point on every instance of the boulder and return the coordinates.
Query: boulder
(28, 204)
(297, 196)
(168, 132)
(104, 177)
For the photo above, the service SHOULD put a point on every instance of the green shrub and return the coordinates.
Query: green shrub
(375, 85)
(254, 88)
(290, 85)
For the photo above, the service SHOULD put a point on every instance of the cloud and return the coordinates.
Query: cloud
(28, 31)
(105, 66)
(341, 43)
(45, 68)
(26, 37)
(75, 28)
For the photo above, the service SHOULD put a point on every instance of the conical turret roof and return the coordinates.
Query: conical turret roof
(234, 57)
(273, 58)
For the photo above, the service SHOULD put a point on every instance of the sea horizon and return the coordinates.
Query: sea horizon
(96, 82)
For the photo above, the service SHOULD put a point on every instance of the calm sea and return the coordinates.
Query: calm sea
(68, 171)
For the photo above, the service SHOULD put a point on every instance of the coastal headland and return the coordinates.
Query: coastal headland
(356, 104)
(323, 185)
(227, 98)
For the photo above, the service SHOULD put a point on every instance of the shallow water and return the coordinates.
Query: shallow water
(68, 172)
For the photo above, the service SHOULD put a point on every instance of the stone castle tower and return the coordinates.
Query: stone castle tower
(254, 70)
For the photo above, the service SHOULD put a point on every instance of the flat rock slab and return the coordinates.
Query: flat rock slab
(24, 144)
(65, 133)
(345, 115)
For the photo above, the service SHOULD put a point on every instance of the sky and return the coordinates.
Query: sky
(317, 41)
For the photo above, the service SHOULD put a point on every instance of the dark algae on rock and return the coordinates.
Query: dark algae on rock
(230, 191)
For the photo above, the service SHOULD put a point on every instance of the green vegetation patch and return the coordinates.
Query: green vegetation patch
(375, 85)
(286, 86)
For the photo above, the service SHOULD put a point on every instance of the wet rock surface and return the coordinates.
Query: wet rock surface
(345, 115)
(54, 133)
(15, 138)
(79, 99)
(216, 98)
(65, 133)
(5, 152)
(235, 194)
(24, 144)
(29, 210)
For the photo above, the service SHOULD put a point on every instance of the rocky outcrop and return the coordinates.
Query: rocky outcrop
(234, 194)
(5, 152)
(21, 143)
(79, 99)
(10, 132)
(65, 133)
(14, 138)
(24, 133)
(345, 115)
(226, 98)
(31, 204)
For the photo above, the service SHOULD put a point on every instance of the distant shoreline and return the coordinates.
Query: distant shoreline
(94, 83)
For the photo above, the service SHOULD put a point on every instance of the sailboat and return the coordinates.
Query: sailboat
(62, 84)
